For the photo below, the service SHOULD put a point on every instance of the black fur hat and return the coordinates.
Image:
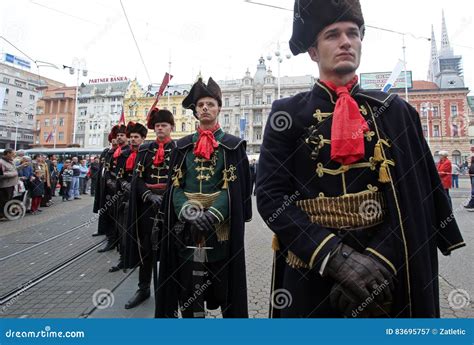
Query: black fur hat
(135, 127)
(312, 16)
(157, 115)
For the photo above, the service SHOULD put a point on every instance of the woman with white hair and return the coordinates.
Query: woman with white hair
(445, 172)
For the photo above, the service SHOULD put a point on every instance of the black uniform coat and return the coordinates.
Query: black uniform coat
(141, 215)
(166, 294)
(419, 219)
(100, 199)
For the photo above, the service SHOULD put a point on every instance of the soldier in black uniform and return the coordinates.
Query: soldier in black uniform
(105, 221)
(148, 187)
(110, 185)
(348, 185)
(136, 134)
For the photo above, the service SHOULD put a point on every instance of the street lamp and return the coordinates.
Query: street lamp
(78, 66)
(426, 108)
(278, 55)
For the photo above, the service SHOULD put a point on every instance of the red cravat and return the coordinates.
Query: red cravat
(131, 160)
(160, 153)
(348, 126)
(117, 152)
(206, 143)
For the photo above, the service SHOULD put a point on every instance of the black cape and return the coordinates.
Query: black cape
(419, 216)
(166, 293)
(100, 194)
(138, 237)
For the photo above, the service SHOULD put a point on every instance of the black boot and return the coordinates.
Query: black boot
(117, 267)
(140, 296)
(110, 245)
(470, 206)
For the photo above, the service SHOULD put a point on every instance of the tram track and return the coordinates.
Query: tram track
(22, 288)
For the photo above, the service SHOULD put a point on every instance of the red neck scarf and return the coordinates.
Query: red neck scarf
(131, 159)
(206, 143)
(348, 126)
(160, 153)
(118, 151)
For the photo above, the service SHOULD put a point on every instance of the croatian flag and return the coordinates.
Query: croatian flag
(393, 77)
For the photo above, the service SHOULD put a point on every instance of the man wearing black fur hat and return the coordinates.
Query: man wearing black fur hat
(202, 256)
(150, 179)
(136, 134)
(361, 209)
(105, 221)
(110, 184)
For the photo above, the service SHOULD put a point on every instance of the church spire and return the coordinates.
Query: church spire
(445, 45)
(433, 66)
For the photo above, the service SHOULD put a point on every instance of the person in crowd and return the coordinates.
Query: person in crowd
(8, 178)
(83, 176)
(470, 205)
(94, 174)
(36, 190)
(445, 170)
(54, 171)
(65, 180)
(456, 171)
(74, 190)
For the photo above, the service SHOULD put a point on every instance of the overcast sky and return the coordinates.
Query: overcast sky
(222, 38)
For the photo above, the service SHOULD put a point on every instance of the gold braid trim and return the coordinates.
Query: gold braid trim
(205, 201)
(295, 262)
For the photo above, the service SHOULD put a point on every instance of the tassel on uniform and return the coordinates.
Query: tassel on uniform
(275, 244)
(378, 157)
(384, 176)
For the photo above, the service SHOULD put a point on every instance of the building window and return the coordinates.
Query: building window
(436, 111)
(436, 131)
(46, 122)
(226, 102)
(19, 94)
(174, 110)
(183, 111)
(246, 100)
(454, 110)
(32, 97)
(45, 136)
(54, 122)
(38, 125)
(30, 116)
(258, 117)
(7, 91)
(61, 121)
(425, 130)
(455, 130)
(183, 127)
(18, 105)
(269, 99)
(6, 80)
(61, 136)
(258, 100)
(5, 101)
(237, 119)
(247, 82)
(226, 119)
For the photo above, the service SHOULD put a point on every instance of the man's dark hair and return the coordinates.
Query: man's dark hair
(7, 152)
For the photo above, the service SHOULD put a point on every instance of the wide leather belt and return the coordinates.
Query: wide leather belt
(349, 212)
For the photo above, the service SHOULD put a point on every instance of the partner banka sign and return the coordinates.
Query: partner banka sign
(108, 80)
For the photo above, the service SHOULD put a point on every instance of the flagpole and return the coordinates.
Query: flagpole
(169, 79)
(55, 129)
(405, 67)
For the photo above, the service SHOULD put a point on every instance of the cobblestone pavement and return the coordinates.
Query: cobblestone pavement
(72, 291)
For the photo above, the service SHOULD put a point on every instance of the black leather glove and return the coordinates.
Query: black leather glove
(111, 186)
(126, 188)
(155, 200)
(205, 222)
(360, 281)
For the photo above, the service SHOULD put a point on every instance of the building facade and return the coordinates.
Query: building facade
(21, 90)
(99, 108)
(54, 122)
(247, 102)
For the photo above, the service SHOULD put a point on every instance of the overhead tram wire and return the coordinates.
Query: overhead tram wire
(136, 43)
(367, 26)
